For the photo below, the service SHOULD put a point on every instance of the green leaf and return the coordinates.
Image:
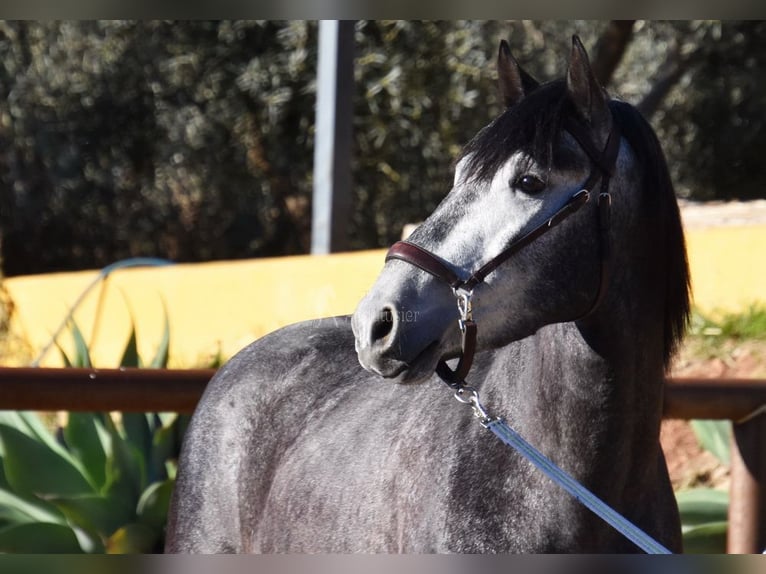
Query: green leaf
(709, 538)
(89, 442)
(17, 509)
(93, 512)
(164, 447)
(153, 507)
(89, 541)
(160, 359)
(33, 468)
(64, 357)
(82, 354)
(130, 354)
(167, 419)
(702, 505)
(171, 469)
(126, 469)
(715, 437)
(133, 539)
(39, 538)
(138, 432)
(704, 519)
(31, 425)
(181, 425)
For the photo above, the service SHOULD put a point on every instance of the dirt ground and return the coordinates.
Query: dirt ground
(722, 213)
(688, 464)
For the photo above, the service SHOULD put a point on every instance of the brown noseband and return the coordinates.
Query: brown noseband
(602, 167)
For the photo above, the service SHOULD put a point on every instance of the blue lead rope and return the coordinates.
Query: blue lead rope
(513, 439)
(585, 496)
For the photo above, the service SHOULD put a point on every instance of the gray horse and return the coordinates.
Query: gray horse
(295, 447)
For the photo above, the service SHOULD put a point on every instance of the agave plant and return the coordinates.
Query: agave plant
(100, 483)
(704, 510)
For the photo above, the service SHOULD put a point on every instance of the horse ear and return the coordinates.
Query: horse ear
(586, 93)
(514, 82)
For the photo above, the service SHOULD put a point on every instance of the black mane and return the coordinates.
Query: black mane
(660, 201)
(533, 126)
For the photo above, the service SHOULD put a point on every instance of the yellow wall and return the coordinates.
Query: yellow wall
(225, 305)
(210, 306)
(728, 267)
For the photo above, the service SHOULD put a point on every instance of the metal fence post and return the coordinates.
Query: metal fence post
(331, 199)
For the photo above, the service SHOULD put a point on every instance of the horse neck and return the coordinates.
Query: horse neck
(590, 393)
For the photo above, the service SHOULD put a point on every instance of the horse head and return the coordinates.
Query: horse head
(554, 155)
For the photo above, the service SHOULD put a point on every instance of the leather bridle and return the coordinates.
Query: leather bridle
(602, 168)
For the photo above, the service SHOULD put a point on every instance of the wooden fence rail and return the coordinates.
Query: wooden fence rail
(127, 390)
(178, 390)
(743, 401)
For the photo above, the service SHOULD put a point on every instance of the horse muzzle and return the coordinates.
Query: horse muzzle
(394, 342)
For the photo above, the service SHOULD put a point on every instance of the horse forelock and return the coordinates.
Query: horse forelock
(531, 126)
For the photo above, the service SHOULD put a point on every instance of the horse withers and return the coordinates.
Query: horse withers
(561, 237)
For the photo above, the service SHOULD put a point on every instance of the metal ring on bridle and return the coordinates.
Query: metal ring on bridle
(473, 400)
(464, 306)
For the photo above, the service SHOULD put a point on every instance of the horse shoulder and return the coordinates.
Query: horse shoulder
(249, 413)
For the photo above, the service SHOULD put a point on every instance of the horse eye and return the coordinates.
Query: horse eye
(529, 184)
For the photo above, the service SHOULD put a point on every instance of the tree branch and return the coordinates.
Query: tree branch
(671, 71)
(610, 49)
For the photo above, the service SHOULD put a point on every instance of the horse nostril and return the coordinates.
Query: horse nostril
(383, 325)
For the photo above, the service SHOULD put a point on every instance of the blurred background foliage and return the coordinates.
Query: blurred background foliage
(193, 141)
